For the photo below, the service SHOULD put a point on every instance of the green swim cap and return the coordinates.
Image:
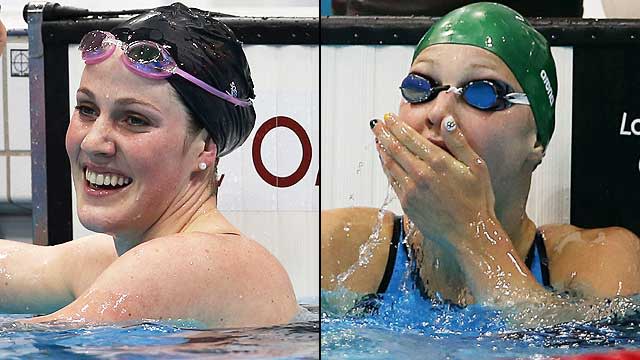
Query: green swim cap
(504, 32)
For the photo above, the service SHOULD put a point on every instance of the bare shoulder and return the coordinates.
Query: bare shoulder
(236, 280)
(563, 238)
(229, 260)
(220, 280)
(343, 232)
(599, 261)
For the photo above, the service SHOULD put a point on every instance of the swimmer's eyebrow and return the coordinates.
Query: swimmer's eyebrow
(132, 101)
(122, 101)
(471, 64)
(87, 92)
(482, 66)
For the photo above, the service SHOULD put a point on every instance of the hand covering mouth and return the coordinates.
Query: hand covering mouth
(440, 143)
(106, 180)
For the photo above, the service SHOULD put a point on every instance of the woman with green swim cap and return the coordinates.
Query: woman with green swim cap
(476, 117)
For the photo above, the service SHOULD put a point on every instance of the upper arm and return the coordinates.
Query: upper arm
(32, 278)
(343, 232)
(40, 279)
(219, 284)
(3, 38)
(85, 259)
(596, 262)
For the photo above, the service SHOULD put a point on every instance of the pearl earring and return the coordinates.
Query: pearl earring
(202, 166)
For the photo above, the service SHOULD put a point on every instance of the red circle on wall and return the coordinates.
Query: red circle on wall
(305, 162)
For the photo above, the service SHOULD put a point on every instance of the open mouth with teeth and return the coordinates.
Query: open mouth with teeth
(106, 181)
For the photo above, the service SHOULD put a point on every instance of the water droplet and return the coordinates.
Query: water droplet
(488, 41)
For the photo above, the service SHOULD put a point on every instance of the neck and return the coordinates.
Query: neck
(521, 230)
(194, 205)
(514, 220)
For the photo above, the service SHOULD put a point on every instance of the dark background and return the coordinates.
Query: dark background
(605, 178)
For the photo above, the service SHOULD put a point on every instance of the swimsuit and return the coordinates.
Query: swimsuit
(537, 260)
(398, 262)
(399, 268)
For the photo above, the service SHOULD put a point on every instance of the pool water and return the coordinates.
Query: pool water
(410, 327)
(159, 340)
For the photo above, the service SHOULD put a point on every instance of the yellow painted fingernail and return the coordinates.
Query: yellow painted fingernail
(388, 116)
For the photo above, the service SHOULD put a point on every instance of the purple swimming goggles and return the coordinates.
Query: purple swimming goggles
(145, 58)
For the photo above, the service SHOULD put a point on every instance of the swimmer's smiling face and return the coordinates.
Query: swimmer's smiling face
(134, 128)
(505, 139)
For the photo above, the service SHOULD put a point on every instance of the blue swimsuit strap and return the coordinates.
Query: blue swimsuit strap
(392, 259)
(537, 260)
(397, 262)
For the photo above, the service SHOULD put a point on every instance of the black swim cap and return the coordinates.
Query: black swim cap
(207, 49)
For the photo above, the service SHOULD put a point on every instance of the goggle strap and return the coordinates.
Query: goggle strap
(110, 39)
(244, 103)
(517, 98)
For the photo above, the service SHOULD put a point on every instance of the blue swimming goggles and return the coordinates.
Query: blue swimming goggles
(481, 94)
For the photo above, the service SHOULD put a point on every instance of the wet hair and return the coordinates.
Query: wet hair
(207, 49)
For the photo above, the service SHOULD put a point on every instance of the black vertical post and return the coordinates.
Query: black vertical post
(56, 70)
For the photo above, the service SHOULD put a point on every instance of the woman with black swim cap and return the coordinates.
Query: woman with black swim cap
(162, 97)
(477, 114)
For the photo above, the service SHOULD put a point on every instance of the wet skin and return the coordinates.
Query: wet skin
(165, 250)
(3, 37)
(466, 192)
(481, 179)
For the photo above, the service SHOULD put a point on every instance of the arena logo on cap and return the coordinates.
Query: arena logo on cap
(547, 86)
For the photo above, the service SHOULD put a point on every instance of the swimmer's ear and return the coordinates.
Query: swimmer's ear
(209, 152)
(537, 154)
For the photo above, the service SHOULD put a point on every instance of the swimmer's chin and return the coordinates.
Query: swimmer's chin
(97, 222)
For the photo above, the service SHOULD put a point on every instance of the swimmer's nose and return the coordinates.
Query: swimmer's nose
(439, 108)
(97, 142)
